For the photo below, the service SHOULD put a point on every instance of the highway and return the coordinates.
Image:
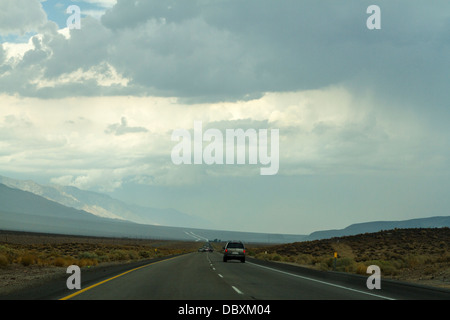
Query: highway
(204, 276)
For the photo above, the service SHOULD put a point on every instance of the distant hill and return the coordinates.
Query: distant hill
(18, 201)
(375, 226)
(25, 211)
(104, 206)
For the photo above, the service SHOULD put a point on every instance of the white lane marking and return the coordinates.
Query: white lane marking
(237, 290)
(234, 288)
(323, 282)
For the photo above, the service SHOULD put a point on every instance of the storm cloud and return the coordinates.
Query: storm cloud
(362, 114)
(210, 51)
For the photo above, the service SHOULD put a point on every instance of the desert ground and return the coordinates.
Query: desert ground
(30, 258)
(420, 256)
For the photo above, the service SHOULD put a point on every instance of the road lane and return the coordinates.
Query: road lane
(204, 276)
(262, 283)
(181, 278)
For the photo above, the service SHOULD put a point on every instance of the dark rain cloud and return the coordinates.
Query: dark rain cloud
(210, 51)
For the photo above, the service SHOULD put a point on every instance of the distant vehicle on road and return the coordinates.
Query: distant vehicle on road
(205, 248)
(234, 250)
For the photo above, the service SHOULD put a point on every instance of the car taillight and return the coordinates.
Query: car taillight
(244, 250)
(226, 250)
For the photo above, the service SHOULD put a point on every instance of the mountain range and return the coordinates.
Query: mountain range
(375, 226)
(25, 211)
(104, 206)
(28, 206)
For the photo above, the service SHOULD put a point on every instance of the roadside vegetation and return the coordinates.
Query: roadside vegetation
(419, 255)
(62, 251)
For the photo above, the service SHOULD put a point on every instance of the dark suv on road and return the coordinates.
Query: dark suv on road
(234, 250)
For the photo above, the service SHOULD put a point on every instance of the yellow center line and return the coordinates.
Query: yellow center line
(119, 275)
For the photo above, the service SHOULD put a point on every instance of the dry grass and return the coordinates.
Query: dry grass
(418, 255)
(28, 249)
(31, 259)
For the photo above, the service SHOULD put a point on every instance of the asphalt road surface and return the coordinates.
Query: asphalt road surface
(204, 276)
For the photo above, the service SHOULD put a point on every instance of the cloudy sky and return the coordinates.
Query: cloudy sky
(363, 115)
